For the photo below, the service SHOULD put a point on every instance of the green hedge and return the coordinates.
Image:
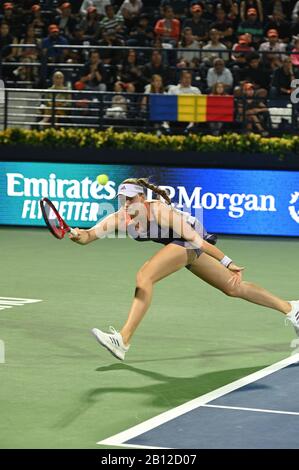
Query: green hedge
(90, 138)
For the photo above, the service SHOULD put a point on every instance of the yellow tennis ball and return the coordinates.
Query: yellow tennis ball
(102, 179)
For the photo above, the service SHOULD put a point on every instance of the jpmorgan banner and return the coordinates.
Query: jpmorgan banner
(256, 202)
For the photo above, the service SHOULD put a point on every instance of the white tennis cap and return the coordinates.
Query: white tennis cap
(129, 189)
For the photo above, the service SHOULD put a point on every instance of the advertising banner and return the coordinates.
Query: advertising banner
(255, 202)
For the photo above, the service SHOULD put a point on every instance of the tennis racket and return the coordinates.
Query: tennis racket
(55, 223)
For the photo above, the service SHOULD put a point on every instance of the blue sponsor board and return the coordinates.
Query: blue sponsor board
(256, 202)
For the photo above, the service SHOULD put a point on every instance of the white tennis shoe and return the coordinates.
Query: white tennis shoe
(293, 316)
(112, 341)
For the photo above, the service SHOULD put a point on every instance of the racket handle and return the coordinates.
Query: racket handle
(73, 232)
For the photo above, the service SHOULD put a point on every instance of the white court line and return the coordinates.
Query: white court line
(260, 410)
(10, 302)
(120, 438)
(133, 446)
(18, 300)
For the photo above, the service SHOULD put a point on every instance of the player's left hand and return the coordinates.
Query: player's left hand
(236, 278)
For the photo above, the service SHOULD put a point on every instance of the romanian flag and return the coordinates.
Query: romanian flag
(191, 108)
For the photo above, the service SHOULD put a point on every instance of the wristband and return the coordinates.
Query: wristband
(226, 261)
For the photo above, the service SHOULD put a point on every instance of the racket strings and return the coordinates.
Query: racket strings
(53, 220)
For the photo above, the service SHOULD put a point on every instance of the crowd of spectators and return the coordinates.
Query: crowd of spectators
(244, 47)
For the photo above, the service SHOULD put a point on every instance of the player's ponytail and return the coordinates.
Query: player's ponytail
(146, 184)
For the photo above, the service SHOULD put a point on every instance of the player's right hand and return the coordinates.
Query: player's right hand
(81, 238)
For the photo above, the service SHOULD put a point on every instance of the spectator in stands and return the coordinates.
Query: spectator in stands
(65, 20)
(168, 28)
(112, 55)
(118, 106)
(247, 4)
(199, 26)
(76, 55)
(273, 44)
(131, 100)
(295, 27)
(27, 55)
(157, 45)
(218, 89)
(7, 12)
(209, 10)
(130, 10)
(256, 111)
(53, 39)
(295, 56)
(123, 105)
(9, 17)
(112, 21)
(156, 67)
(257, 74)
(131, 71)
(241, 50)
(76, 5)
(31, 53)
(190, 45)
(281, 6)
(185, 87)
(231, 9)
(180, 7)
(94, 74)
(295, 13)
(62, 101)
(6, 38)
(155, 86)
(8, 53)
(197, 77)
(90, 25)
(217, 19)
(253, 26)
(99, 5)
(37, 21)
(223, 26)
(278, 23)
(211, 50)
(26, 76)
(282, 80)
(142, 33)
(219, 73)
(86, 113)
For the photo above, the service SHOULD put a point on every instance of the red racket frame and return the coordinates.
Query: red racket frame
(64, 227)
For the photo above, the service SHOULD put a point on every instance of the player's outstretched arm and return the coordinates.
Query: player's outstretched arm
(106, 226)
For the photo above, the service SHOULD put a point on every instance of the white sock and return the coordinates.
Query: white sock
(293, 315)
(292, 308)
(120, 338)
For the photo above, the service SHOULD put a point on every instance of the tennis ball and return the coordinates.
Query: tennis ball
(102, 179)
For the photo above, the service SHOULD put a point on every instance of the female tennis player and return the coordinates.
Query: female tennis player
(185, 245)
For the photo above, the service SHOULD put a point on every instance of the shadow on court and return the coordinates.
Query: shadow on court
(228, 352)
(167, 392)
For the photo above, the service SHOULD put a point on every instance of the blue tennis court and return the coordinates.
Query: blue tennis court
(260, 411)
